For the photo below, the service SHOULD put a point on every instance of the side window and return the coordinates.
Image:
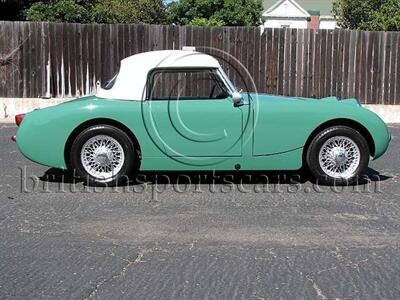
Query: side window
(186, 85)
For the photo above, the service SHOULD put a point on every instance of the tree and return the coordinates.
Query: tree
(114, 11)
(128, 11)
(368, 14)
(58, 11)
(99, 11)
(206, 22)
(216, 12)
(152, 11)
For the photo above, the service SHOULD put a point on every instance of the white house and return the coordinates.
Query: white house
(299, 14)
(327, 22)
(286, 13)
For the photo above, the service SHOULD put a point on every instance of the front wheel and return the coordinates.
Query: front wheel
(103, 155)
(338, 155)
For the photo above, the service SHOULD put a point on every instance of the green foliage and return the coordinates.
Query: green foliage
(152, 11)
(39, 12)
(128, 11)
(185, 12)
(206, 22)
(99, 11)
(60, 11)
(216, 12)
(368, 14)
(114, 11)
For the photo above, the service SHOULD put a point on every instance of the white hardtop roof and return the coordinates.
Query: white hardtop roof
(131, 81)
(171, 59)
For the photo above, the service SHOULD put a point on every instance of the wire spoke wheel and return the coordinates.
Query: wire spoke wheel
(339, 157)
(102, 157)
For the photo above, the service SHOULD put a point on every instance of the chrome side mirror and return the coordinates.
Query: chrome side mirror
(237, 99)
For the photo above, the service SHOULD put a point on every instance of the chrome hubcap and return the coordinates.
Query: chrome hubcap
(102, 157)
(339, 157)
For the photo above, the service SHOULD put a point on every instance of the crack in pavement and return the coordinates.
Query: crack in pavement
(122, 272)
(125, 268)
(321, 295)
(346, 261)
(316, 288)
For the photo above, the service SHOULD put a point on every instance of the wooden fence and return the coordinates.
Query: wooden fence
(62, 60)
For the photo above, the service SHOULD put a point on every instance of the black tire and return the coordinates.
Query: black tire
(312, 157)
(129, 164)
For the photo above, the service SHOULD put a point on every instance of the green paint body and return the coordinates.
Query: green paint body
(266, 133)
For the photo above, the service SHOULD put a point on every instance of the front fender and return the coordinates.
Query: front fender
(286, 124)
(379, 131)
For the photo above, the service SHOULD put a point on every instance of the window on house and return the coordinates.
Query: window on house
(186, 85)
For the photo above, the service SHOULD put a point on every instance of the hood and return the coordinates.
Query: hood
(267, 97)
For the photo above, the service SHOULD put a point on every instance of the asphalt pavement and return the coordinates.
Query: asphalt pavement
(196, 236)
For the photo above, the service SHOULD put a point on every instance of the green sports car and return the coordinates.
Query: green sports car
(178, 110)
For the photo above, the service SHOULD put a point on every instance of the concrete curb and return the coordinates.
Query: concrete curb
(9, 107)
(388, 113)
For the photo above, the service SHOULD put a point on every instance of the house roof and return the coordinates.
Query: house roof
(287, 9)
(324, 6)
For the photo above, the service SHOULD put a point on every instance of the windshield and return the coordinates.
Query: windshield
(110, 83)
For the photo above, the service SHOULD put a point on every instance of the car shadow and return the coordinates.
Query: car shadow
(59, 176)
(374, 175)
(231, 177)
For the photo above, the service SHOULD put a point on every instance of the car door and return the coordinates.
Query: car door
(190, 113)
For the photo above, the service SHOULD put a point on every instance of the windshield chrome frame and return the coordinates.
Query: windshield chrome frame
(226, 80)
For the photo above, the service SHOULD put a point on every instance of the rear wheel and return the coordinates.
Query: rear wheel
(104, 155)
(338, 155)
